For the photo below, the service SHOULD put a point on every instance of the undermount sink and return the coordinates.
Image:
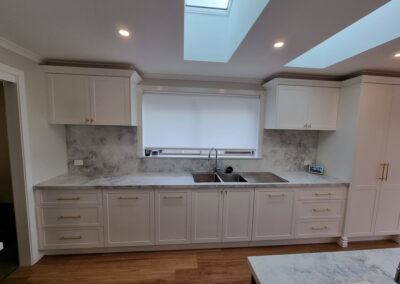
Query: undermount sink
(265, 177)
(232, 178)
(206, 177)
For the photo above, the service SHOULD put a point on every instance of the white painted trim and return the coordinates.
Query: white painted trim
(301, 82)
(186, 77)
(90, 71)
(7, 44)
(26, 224)
(371, 79)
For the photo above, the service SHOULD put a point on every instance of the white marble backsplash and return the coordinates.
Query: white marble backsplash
(112, 150)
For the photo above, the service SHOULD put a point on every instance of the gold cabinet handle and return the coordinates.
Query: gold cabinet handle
(68, 198)
(70, 238)
(387, 171)
(323, 194)
(91, 120)
(69, 217)
(123, 198)
(173, 197)
(87, 120)
(277, 195)
(383, 172)
(319, 228)
(309, 126)
(305, 125)
(322, 210)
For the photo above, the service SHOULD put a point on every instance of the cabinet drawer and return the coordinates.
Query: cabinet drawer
(315, 209)
(71, 216)
(70, 197)
(323, 228)
(323, 193)
(72, 238)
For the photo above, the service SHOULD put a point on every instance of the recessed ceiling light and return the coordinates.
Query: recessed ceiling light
(279, 44)
(124, 33)
(397, 54)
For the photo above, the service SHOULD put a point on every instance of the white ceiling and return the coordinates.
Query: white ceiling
(86, 30)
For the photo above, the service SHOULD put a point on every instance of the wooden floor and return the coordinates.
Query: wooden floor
(194, 266)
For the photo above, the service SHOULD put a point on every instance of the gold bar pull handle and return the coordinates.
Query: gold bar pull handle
(322, 210)
(323, 194)
(277, 195)
(70, 238)
(173, 197)
(123, 198)
(319, 228)
(383, 172)
(387, 171)
(68, 198)
(69, 217)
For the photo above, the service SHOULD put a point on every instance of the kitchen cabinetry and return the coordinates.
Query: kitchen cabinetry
(172, 216)
(301, 104)
(92, 96)
(129, 217)
(273, 214)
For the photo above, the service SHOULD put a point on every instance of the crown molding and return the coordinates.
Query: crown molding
(11, 46)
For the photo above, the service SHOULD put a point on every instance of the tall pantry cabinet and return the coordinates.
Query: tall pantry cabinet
(367, 149)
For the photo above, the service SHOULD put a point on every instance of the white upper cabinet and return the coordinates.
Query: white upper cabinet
(92, 96)
(301, 104)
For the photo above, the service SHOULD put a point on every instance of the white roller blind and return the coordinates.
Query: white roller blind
(200, 121)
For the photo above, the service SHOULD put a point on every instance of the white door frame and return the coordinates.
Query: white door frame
(20, 159)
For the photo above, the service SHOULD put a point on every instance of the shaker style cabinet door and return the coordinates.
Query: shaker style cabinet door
(323, 108)
(173, 216)
(207, 215)
(110, 100)
(69, 99)
(129, 218)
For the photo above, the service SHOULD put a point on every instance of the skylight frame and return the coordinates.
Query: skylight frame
(208, 7)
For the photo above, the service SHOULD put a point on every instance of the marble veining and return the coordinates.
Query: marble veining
(112, 150)
(178, 180)
(373, 266)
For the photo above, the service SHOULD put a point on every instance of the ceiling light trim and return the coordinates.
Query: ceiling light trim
(22, 51)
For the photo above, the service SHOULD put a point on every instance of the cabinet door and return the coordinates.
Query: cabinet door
(129, 218)
(273, 215)
(110, 97)
(369, 155)
(69, 98)
(388, 217)
(207, 216)
(292, 106)
(238, 215)
(173, 214)
(323, 108)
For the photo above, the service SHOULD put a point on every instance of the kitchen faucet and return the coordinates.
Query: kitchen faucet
(215, 169)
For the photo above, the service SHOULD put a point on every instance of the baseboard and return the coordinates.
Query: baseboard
(371, 238)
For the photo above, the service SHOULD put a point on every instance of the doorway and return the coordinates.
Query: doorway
(8, 235)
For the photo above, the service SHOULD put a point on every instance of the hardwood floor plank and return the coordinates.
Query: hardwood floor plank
(191, 266)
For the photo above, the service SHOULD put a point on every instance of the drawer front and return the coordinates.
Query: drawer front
(323, 193)
(323, 228)
(72, 238)
(70, 197)
(71, 216)
(316, 209)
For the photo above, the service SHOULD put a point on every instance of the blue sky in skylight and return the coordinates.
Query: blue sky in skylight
(377, 28)
(213, 4)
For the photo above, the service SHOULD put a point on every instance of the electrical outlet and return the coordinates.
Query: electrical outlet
(78, 162)
(307, 162)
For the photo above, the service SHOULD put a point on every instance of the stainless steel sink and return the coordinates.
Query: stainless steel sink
(231, 177)
(265, 177)
(206, 177)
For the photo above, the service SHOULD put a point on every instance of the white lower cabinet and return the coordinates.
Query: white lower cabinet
(237, 215)
(207, 207)
(273, 214)
(172, 216)
(129, 217)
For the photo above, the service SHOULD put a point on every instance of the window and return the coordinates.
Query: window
(208, 4)
(188, 125)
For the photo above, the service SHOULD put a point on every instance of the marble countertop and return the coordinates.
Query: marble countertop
(372, 266)
(184, 180)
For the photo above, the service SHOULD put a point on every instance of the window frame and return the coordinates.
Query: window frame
(156, 87)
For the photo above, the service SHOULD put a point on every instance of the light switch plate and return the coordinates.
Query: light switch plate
(78, 162)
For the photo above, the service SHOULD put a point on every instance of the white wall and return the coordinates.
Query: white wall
(47, 143)
(336, 149)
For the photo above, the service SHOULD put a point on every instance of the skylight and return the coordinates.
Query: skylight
(209, 4)
(378, 27)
